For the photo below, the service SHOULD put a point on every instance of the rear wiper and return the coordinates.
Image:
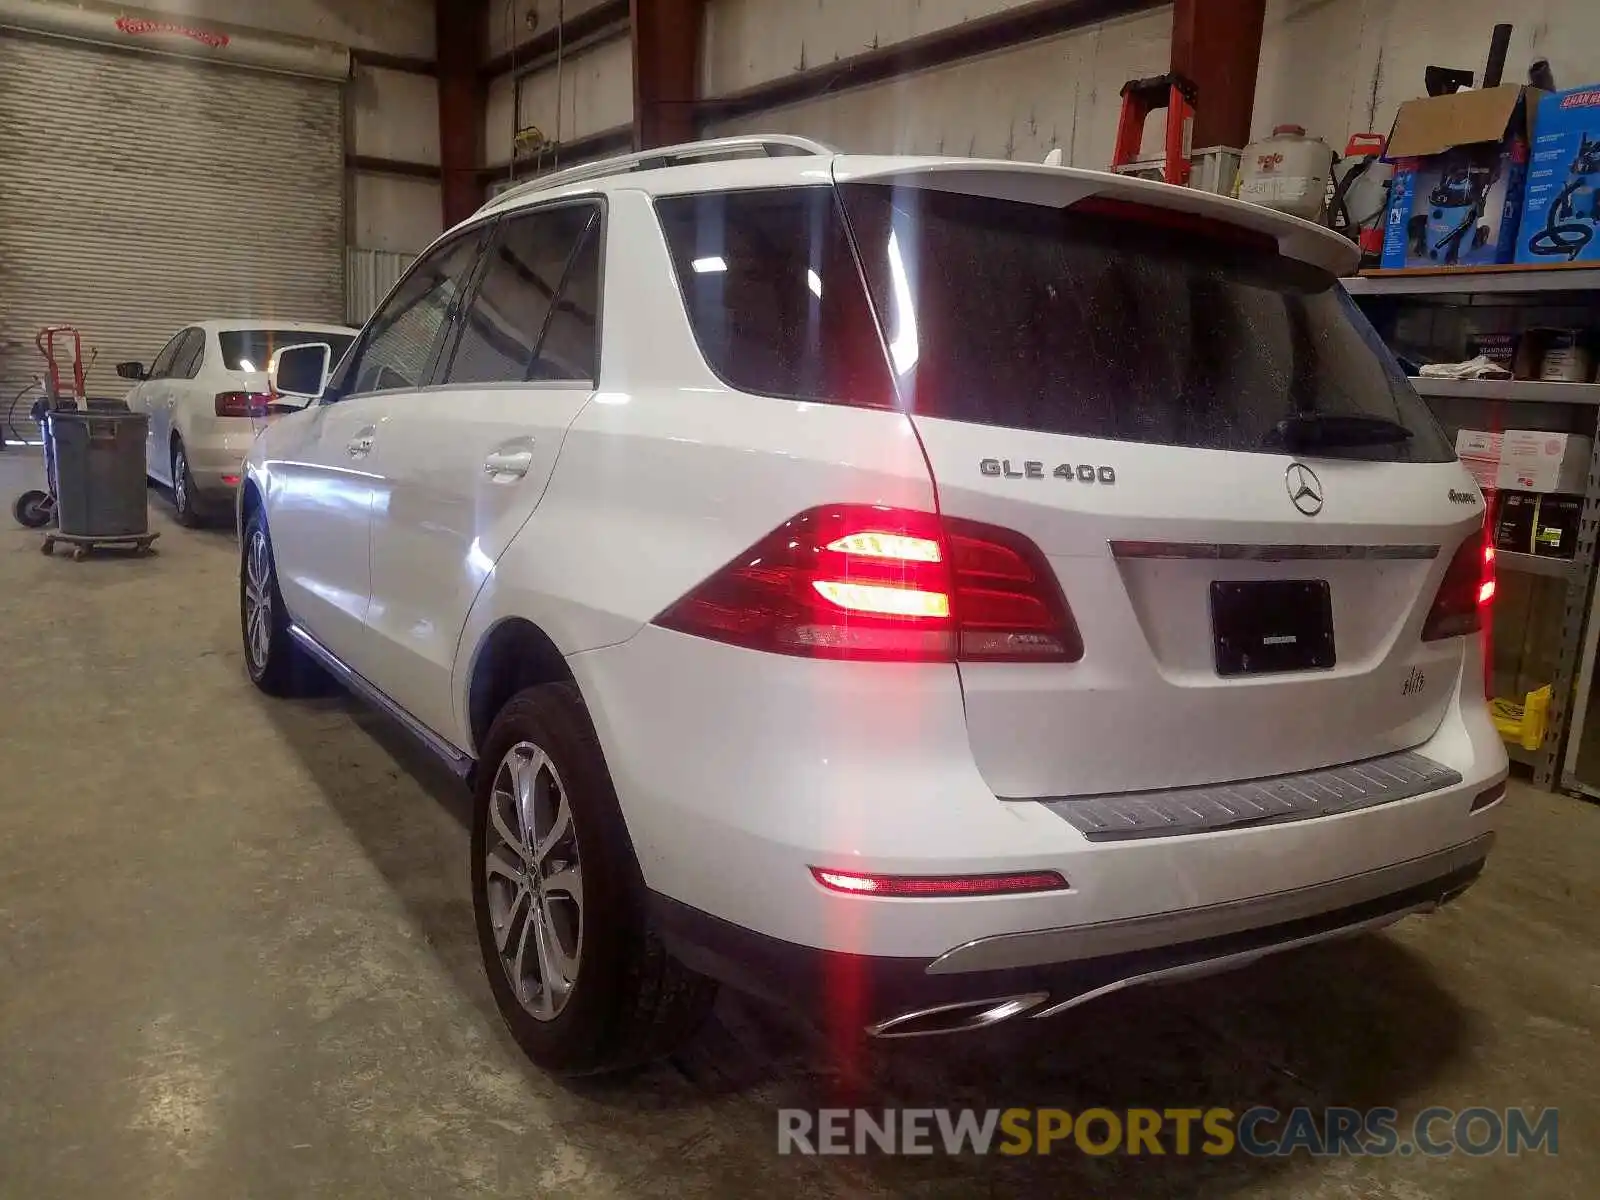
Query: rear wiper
(1305, 431)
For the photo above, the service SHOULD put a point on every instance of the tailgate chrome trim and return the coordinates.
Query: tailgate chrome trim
(1044, 947)
(1126, 816)
(1248, 553)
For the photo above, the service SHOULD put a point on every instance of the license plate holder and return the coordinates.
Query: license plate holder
(1272, 626)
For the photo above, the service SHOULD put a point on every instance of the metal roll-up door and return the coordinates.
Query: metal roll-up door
(146, 192)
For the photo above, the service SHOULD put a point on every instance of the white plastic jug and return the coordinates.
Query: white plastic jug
(1287, 171)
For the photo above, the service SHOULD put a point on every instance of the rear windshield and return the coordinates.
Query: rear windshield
(249, 349)
(1098, 325)
(1030, 317)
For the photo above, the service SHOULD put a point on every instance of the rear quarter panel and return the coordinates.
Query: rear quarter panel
(668, 474)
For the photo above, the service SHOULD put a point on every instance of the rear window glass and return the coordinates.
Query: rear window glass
(774, 293)
(249, 349)
(1031, 317)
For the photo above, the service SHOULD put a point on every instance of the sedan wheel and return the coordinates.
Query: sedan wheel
(534, 881)
(183, 500)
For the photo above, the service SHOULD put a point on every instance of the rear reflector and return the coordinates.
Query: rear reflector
(1489, 796)
(888, 584)
(1465, 592)
(242, 404)
(854, 883)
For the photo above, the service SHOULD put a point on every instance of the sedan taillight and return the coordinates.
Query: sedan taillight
(243, 404)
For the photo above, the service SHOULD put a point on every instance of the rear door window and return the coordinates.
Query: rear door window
(191, 352)
(250, 349)
(1130, 325)
(774, 294)
(534, 266)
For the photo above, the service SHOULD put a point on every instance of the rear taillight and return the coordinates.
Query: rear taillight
(866, 582)
(243, 404)
(1466, 592)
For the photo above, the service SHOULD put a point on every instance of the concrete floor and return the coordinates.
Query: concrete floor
(237, 958)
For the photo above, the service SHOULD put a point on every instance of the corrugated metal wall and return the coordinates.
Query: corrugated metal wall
(145, 192)
(369, 274)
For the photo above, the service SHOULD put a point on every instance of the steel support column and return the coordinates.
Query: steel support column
(666, 70)
(1217, 44)
(463, 96)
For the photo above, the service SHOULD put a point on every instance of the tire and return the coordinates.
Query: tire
(277, 665)
(620, 999)
(33, 509)
(185, 503)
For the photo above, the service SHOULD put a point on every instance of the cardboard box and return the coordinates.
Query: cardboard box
(1532, 461)
(1499, 348)
(1515, 514)
(1561, 212)
(1459, 166)
(1479, 453)
(1555, 526)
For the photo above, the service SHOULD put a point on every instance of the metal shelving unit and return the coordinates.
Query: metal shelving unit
(1479, 282)
(1524, 391)
(1554, 764)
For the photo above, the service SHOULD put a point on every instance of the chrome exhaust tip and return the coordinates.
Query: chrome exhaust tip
(963, 1016)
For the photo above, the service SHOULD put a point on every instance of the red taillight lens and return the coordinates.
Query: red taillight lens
(916, 886)
(243, 404)
(1465, 593)
(867, 582)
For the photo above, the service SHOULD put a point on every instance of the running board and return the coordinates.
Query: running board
(459, 764)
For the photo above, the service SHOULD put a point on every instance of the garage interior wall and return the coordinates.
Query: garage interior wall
(391, 114)
(595, 84)
(190, 190)
(1335, 68)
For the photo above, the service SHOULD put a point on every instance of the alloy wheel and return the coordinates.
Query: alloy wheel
(534, 881)
(180, 481)
(258, 598)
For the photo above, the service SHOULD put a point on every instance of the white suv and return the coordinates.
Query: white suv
(930, 592)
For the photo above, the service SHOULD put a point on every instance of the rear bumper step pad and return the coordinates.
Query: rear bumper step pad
(1373, 781)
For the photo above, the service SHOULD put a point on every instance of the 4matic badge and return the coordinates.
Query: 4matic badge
(1082, 472)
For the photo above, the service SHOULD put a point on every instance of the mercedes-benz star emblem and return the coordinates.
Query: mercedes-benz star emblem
(1305, 489)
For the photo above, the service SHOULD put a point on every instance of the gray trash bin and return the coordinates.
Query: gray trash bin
(100, 481)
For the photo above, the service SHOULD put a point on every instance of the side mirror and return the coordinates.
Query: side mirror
(131, 370)
(300, 372)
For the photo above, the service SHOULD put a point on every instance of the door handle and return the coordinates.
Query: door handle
(508, 462)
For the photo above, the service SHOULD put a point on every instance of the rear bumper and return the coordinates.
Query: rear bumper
(1045, 972)
(216, 456)
(737, 772)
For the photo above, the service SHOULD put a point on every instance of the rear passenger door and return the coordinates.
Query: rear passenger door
(462, 464)
(153, 395)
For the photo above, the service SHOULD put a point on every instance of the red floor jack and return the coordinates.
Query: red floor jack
(34, 508)
(1140, 98)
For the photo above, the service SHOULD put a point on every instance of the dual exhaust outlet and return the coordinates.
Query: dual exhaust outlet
(967, 1016)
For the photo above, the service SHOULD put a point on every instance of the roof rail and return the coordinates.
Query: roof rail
(773, 145)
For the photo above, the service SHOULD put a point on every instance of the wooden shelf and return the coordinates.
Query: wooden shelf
(1509, 278)
(1521, 390)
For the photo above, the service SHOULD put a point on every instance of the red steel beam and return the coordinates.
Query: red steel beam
(1217, 44)
(666, 70)
(463, 97)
